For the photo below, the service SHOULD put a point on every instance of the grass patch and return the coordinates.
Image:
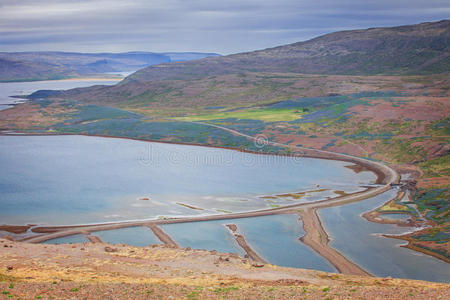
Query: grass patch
(262, 114)
(392, 206)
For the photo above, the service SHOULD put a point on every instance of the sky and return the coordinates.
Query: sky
(223, 27)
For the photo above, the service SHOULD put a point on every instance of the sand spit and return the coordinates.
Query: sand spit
(243, 243)
(94, 239)
(14, 228)
(316, 237)
(162, 236)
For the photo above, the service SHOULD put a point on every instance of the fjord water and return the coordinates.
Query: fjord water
(8, 89)
(275, 238)
(208, 235)
(71, 239)
(135, 236)
(80, 179)
(361, 242)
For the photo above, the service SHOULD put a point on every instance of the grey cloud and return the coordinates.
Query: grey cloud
(194, 25)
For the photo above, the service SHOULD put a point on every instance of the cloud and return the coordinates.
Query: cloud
(194, 25)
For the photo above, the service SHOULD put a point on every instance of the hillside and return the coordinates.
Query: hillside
(97, 271)
(400, 120)
(408, 50)
(23, 66)
(413, 49)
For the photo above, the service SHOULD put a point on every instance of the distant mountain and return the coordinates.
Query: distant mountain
(404, 50)
(22, 70)
(54, 65)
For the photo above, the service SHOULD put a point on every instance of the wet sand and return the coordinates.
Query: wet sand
(316, 237)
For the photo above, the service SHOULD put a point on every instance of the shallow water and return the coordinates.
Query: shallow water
(208, 235)
(401, 217)
(80, 179)
(8, 89)
(359, 240)
(73, 239)
(275, 238)
(135, 236)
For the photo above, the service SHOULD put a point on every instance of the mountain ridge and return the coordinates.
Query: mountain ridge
(42, 65)
(405, 50)
(373, 51)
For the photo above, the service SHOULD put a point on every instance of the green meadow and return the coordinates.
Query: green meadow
(262, 114)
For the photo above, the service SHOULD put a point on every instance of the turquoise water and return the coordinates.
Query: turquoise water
(135, 236)
(359, 240)
(210, 235)
(79, 179)
(73, 239)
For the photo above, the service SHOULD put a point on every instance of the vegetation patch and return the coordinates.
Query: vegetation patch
(262, 114)
(434, 204)
(436, 167)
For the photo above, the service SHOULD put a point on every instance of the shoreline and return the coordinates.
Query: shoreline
(240, 240)
(51, 232)
(411, 246)
(317, 238)
(101, 77)
(376, 217)
(385, 174)
(163, 236)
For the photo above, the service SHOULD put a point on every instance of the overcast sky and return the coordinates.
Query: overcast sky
(194, 25)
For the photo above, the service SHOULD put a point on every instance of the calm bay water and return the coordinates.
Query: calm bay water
(79, 179)
(72, 239)
(8, 89)
(210, 235)
(275, 238)
(135, 236)
(360, 241)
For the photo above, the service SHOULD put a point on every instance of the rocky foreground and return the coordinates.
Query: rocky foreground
(99, 270)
